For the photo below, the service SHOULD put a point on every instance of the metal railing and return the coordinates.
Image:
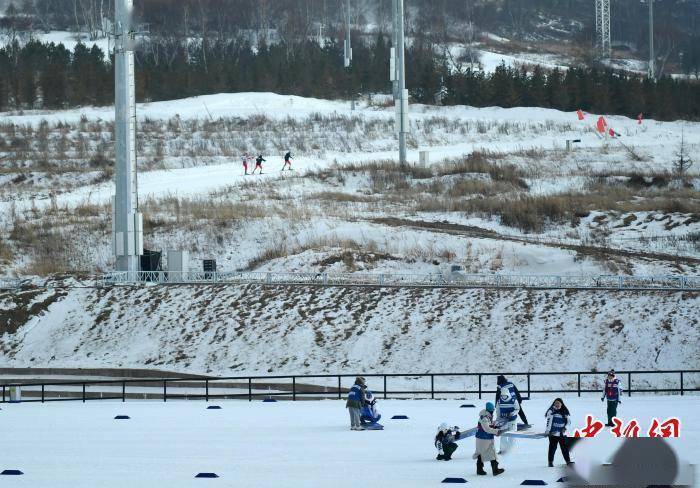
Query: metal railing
(296, 387)
(436, 280)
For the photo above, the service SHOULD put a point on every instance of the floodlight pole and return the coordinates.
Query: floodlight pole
(127, 227)
(602, 27)
(401, 100)
(348, 53)
(652, 60)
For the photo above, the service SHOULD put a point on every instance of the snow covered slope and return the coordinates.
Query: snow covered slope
(255, 330)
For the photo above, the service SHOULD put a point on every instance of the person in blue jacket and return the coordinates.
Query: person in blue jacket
(558, 422)
(612, 392)
(507, 408)
(355, 402)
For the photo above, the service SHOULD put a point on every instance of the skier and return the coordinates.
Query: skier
(445, 441)
(558, 420)
(258, 163)
(507, 414)
(246, 157)
(287, 160)
(355, 402)
(485, 450)
(612, 392)
(501, 380)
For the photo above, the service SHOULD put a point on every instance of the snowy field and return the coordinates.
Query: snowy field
(303, 444)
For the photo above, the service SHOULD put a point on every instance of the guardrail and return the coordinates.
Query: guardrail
(295, 387)
(436, 280)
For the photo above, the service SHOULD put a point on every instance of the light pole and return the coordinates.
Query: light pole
(400, 92)
(652, 59)
(127, 226)
(348, 53)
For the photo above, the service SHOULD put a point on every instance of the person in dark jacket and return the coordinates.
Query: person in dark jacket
(558, 421)
(258, 163)
(445, 441)
(500, 381)
(287, 161)
(355, 402)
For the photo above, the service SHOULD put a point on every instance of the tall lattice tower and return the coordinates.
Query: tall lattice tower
(602, 28)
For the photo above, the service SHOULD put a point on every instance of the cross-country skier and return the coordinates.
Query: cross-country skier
(246, 157)
(355, 403)
(501, 380)
(558, 421)
(445, 441)
(287, 161)
(485, 451)
(612, 392)
(258, 163)
(507, 406)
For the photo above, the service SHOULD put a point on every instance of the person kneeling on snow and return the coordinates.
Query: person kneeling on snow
(445, 441)
(485, 449)
(369, 414)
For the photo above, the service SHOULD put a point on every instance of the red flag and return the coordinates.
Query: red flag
(640, 117)
(580, 114)
(612, 132)
(601, 125)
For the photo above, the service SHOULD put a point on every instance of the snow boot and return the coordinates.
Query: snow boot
(496, 470)
(480, 467)
(440, 457)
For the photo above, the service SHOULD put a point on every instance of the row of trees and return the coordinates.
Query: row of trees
(39, 75)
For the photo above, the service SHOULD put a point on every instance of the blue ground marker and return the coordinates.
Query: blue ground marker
(454, 480)
(467, 405)
(399, 417)
(269, 400)
(563, 479)
(12, 472)
(213, 407)
(122, 417)
(207, 475)
(533, 482)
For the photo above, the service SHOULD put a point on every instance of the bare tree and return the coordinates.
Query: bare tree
(683, 163)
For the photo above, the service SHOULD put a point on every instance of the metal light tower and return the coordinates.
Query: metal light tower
(348, 53)
(127, 227)
(398, 76)
(652, 59)
(602, 28)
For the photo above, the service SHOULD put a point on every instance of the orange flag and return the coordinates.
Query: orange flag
(640, 117)
(580, 114)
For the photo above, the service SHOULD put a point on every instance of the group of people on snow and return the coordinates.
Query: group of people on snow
(248, 159)
(497, 419)
(361, 405)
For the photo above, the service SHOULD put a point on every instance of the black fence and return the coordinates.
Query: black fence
(325, 386)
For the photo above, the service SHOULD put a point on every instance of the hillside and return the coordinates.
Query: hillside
(252, 330)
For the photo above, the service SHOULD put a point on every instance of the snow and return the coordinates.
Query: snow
(300, 444)
(242, 330)
(68, 39)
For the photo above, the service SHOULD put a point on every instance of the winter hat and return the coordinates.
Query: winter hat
(611, 372)
(501, 380)
(443, 426)
(490, 407)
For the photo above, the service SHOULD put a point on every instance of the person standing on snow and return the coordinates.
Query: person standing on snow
(558, 421)
(246, 157)
(445, 441)
(485, 451)
(612, 392)
(258, 163)
(287, 161)
(355, 402)
(501, 380)
(507, 407)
